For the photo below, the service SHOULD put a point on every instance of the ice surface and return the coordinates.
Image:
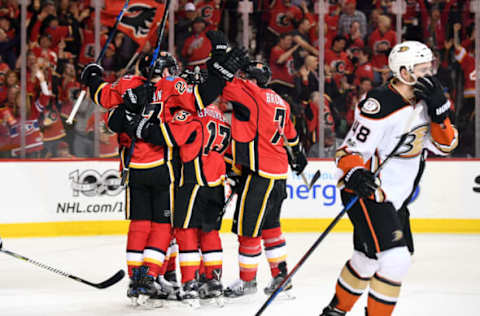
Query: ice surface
(444, 278)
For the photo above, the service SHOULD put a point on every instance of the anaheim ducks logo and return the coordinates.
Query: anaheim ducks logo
(402, 49)
(139, 18)
(413, 145)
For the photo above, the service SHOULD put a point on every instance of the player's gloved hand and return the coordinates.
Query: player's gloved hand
(430, 90)
(236, 59)
(138, 98)
(300, 161)
(90, 73)
(219, 44)
(138, 127)
(194, 77)
(361, 181)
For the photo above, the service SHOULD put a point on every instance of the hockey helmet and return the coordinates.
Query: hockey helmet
(259, 71)
(164, 60)
(407, 55)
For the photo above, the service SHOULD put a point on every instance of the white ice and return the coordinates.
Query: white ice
(443, 280)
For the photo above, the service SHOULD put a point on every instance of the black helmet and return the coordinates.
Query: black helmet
(259, 71)
(164, 60)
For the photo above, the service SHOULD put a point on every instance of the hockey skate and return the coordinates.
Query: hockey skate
(150, 293)
(275, 282)
(169, 285)
(132, 291)
(210, 291)
(189, 294)
(241, 290)
(332, 311)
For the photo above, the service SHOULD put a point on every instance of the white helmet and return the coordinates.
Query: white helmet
(408, 54)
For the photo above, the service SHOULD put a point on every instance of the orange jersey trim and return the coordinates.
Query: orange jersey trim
(443, 135)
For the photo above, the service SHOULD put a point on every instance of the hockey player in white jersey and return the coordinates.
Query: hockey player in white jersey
(413, 100)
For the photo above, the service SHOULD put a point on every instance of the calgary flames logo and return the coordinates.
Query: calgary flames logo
(139, 18)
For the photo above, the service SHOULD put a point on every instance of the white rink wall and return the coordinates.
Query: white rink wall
(83, 197)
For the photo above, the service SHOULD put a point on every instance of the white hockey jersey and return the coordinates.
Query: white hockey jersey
(380, 120)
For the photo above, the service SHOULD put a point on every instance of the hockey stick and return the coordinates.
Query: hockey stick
(102, 285)
(317, 174)
(80, 98)
(335, 220)
(126, 169)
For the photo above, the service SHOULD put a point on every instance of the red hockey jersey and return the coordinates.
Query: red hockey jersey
(259, 117)
(203, 138)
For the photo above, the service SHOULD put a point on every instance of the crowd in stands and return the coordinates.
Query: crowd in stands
(358, 37)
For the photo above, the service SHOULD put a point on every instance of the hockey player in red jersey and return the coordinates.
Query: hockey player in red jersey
(414, 101)
(203, 138)
(153, 170)
(260, 117)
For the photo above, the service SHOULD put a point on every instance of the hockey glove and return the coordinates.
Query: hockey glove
(138, 127)
(138, 98)
(236, 59)
(430, 90)
(92, 72)
(219, 44)
(300, 160)
(361, 181)
(194, 77)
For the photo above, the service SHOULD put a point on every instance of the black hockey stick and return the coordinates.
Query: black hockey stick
(126, 169)
(102, 285)
(279, 288)
(80, 98)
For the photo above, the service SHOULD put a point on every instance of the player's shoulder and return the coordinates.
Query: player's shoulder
(178, 85)
(382, 102)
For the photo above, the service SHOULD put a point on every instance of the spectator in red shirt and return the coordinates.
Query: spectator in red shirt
(43, 50)
(211, 12)
(337, 60)
(196, 49)
(380, 42)
(364, 68)
(435, 23)
(281, 64)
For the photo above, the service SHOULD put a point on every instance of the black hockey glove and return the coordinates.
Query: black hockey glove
(361, 181)
(138, 127)
(236, 59)
(219, 44)
(91, 73)
(299, 161)
(194, 77)
(138, 98)
(430, 90)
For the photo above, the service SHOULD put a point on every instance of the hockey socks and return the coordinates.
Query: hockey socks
(156, 248)
(382, 296)
(187, 240)
(138, 232)
(249, 252)
(275, 248)
(212, 254)
(350, 286)
(169, 264)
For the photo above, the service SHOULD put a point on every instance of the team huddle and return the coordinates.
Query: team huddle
(179, 151)
(185, 151)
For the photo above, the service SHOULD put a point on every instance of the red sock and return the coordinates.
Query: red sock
(275, 248)
(169, 264)
(212, 255)
(249, 252)
(189, 256)
(136, 241)
(157, 245)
